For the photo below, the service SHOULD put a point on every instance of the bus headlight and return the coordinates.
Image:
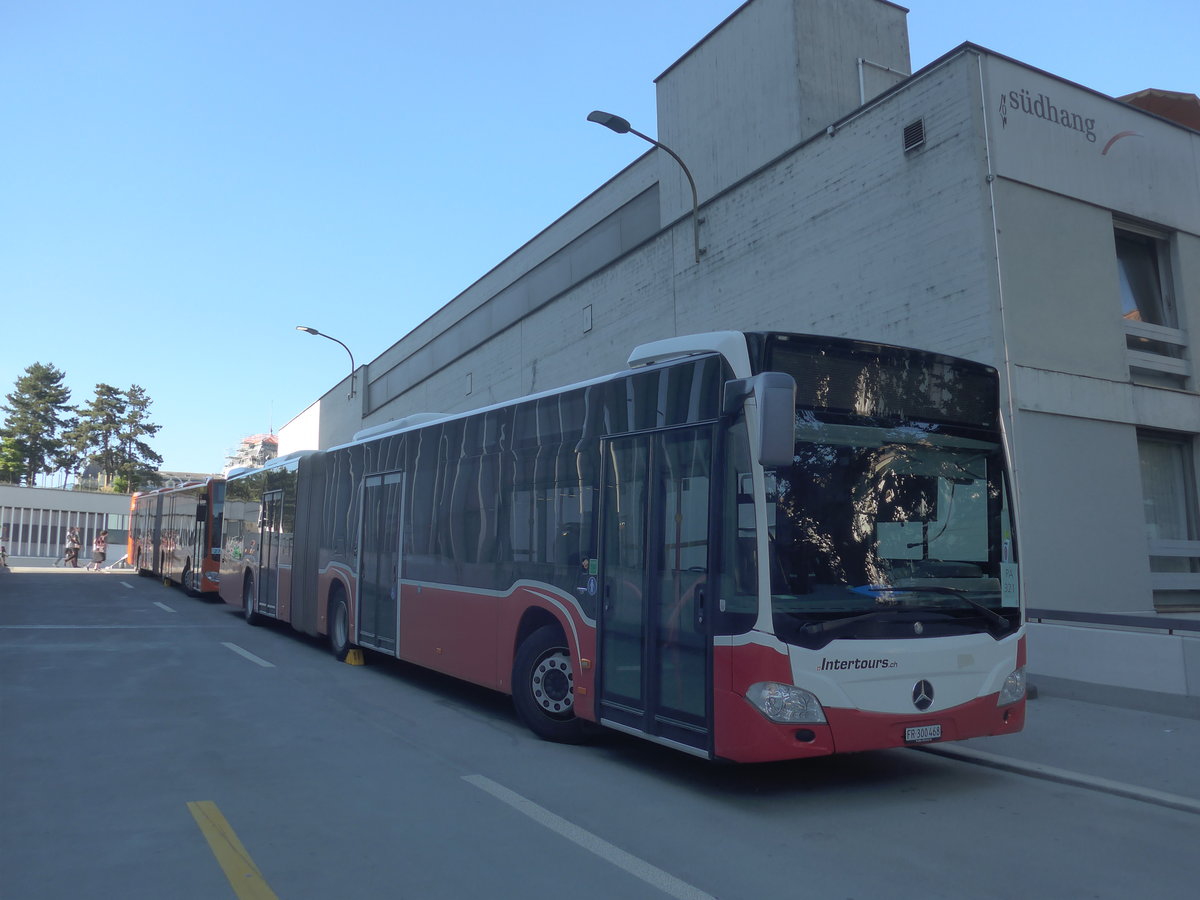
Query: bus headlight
(785, 703)
(1014, 687)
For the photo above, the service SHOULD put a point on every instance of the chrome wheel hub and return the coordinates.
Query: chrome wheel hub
(553, 684)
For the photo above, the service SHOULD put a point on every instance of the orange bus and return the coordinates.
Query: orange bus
(175, 534)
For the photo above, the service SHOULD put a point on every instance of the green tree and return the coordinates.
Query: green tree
(12, 464)
(138, 462)
(35, 418)
(72, 457)
(111, 432)
(96, 435)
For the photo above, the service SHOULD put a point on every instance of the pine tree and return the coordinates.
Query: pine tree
(137, 461)
(74, 452)
(35, 419)
(110, 432)
(97, 434)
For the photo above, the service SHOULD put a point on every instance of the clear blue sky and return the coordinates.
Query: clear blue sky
(185, 181)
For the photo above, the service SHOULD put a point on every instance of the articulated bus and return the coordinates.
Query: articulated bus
(747, 546)
(174, 534)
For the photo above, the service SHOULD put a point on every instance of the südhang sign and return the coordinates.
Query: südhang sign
(1041, 107)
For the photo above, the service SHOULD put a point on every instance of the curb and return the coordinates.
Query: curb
(1065, 776)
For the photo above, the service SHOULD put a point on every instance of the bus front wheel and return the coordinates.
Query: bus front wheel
(543, 683)
(339, 626)
(248, 598)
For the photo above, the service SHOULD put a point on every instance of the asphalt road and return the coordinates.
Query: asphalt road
(154, 745)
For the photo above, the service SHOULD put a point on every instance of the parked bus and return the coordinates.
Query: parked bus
(748, 547)
(175, 534)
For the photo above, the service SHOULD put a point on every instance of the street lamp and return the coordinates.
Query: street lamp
(622, 126)
(305, 328)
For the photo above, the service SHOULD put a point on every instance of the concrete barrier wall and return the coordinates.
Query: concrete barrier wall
(1135, 660)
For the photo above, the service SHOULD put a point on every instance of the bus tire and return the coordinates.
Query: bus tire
(543, 681)
(185, 580)
(252, 617)
(339, 625)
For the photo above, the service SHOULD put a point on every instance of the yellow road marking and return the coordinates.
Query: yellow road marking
(247, 881)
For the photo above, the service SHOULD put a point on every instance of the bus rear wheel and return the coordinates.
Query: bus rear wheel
(543, 683)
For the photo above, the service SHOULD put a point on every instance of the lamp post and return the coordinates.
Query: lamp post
(305, 328)
(622, 126)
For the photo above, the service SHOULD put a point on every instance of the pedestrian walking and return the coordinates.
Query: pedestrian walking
(71, 552)
(99, 552)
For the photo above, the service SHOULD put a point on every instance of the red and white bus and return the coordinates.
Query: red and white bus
(174, 534)
(749, 547)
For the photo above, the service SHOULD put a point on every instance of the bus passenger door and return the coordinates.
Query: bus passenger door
(655, 661)
(379, 561)
(268, 572)
(155, 532)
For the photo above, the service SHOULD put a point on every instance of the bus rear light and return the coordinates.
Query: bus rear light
(785, 703)
(1014, 687)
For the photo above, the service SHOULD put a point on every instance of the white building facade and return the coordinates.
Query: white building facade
(979, 207)
(34, 523)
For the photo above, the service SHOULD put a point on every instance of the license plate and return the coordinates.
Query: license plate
(922, 733)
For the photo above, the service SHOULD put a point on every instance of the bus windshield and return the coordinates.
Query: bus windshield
(890, 521)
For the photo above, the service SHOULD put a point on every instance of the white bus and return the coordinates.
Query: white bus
(747, 546)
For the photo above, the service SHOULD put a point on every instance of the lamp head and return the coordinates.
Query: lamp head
(609, 121)
(306, 328)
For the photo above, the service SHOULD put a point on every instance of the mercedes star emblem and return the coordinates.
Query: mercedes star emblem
(923, 695)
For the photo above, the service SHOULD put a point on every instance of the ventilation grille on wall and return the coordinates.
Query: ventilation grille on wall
(914, 135)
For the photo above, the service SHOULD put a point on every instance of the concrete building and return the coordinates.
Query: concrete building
(34, 523)
(978, 207)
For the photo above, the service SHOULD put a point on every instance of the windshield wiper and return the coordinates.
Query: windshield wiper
(988, 613)
(881, 615)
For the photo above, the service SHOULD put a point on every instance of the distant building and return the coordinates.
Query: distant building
(92, 477)
(254, 451)
(175, 479)
(1173, 105)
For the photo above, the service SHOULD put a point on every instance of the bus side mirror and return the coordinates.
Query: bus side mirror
(774, 395)
(201, 512)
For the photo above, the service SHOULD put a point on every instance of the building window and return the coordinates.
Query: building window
(1139, 259)
(1154, 342)
(1172, 531)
